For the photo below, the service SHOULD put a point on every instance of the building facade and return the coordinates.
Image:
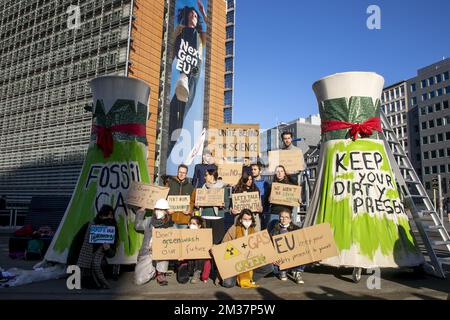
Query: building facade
(49, 52)
(229, 62)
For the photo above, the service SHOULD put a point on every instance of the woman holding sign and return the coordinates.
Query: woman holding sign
(271, 218)
(89, 254)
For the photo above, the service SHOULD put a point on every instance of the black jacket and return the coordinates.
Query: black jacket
(276, 229)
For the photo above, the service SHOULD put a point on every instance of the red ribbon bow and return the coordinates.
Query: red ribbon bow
(105, 138)
(364, 129)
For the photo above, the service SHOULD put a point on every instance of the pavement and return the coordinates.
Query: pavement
(320, 283)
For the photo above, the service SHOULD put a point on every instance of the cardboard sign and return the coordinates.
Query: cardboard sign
(234, 140)
(285, 194)
(181, 244)
(305, 246)
(102, 234)
(230, 172)
(145, 195)
(179, 203)
(292, 160)
(246, 200)
(209, 197)
(244, 254)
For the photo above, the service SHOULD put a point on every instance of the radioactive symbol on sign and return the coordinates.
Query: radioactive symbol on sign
(231, 252)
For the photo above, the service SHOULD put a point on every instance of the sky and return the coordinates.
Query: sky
(282, 47)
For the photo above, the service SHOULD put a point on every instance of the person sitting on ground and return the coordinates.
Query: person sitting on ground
(245, 225)
(35, 247)
(286, 225)
(146, 268)
(199, 268)
(91, 257)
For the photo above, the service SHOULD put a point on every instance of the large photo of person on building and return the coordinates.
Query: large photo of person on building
(188, 72)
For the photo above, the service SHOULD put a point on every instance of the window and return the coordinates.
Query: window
(413, 87)
(439, 92)
(433, 154)
(448, 152)
(445, 104)
(425, 140)
(228, 81)
(437, 106)
(397, 92)
(431, 124)
(230, 4)
(442, 168)
(230, 17)
(441, 153)
(434, 169)
(402, 91)
(446, 76)
(229, 64)
(439, 122)
(423, 83)
(447, 90)
(427, 170)
(229, 48)
(228, 99)
(230, 32)
(414, 101)
(423, 111)
(431, 81)
(424, 97)
(426, 155)
(430, 109)
(438, 78)
(432, 138)
(440, 137)
(424, 125)
(447, 135)
(432, 95)
(228, 115)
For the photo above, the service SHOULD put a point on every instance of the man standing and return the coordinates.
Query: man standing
(261, 184)
(200, 169)
(286, 136)
(180, 186)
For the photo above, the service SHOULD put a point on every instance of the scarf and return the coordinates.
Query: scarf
(244, 280)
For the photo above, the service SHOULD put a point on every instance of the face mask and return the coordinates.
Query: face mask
(284, 225)
(193, 226)
(160, 214)
(246, 224)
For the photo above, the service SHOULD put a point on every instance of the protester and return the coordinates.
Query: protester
(286, 137)
(198, 180)
(246, 184)
(146, 268)
(214, 216)
(274, 209)
(245, 225)
(180, 186)
(262, 185)
(199, 268)
(247, 166)
(90, 257)
(286, 225)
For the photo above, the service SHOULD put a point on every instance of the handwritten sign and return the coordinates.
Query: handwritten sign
(244, 254)
(209, 197)
(246, 200)
(230, 172)
(304, 246)
(181, 244)
(234, 140)
(145, 195)
(292, 160)
(102, 234)
(179, 203)
(285, 194)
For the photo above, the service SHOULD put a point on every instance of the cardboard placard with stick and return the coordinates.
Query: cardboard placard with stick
(285, 194)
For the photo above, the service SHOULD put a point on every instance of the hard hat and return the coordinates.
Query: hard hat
(162, 204)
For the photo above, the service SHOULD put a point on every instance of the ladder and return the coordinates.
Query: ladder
(423, 213)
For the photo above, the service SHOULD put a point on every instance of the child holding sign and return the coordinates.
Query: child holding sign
(286, 225)
(199, 268)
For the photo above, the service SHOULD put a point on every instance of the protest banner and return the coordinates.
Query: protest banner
(246, 200)
(230, 172)
(244, 254)
(234, 141)
(102, 234)
(291, 160)
(209, 197)
(181, 244)
(285, 194)
(145, 195)
(304, 246)
(179, 203)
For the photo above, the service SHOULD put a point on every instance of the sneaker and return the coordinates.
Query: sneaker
(196, 276)
(297, 277)
(283, 276)
(161, 279)
(182, 88)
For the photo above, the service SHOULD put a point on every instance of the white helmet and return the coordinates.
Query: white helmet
(162, 204)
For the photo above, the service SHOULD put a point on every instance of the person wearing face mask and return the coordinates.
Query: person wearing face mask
(271, 218)
(146, 268)
(245, 225)
(199, 269)
(286, 225)
(91, 257)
